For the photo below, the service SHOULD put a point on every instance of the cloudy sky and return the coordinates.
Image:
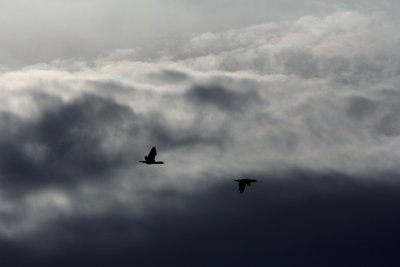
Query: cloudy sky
(303, 96)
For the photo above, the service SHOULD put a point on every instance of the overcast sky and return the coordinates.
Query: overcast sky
(301, 95)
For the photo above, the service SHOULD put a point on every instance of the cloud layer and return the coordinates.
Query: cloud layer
(308, 106)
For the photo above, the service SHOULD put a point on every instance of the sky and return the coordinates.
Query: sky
(303, 96)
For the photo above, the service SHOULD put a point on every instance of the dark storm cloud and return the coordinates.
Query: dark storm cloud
(222, 98)
(65, 143)
(86, 138)
(293, 218)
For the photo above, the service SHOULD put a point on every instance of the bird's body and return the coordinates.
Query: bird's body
(151, 157)
(243, 183)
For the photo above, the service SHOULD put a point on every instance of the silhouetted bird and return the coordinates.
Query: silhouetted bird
(151, 157)
(243, 183)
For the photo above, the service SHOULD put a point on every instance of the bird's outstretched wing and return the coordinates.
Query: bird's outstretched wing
(242, 186)
(152, 154)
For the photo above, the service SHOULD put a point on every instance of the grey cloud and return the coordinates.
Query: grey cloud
(284, 140)
(83, 199)
(222, 98)
(86, 138)
(53, 29)
(65, 144)
(360, 107)
(303, 64)
(389, 125)
(197, 133)
(349, 70)
(360, 70)
(111, 87)
(308, 107)
(171, 76)
(330, 48)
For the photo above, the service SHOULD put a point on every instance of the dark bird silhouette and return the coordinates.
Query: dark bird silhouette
(151, 157)
(243, 183)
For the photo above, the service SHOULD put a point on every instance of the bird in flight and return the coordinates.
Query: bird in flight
(243, 183)
(151, 157)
